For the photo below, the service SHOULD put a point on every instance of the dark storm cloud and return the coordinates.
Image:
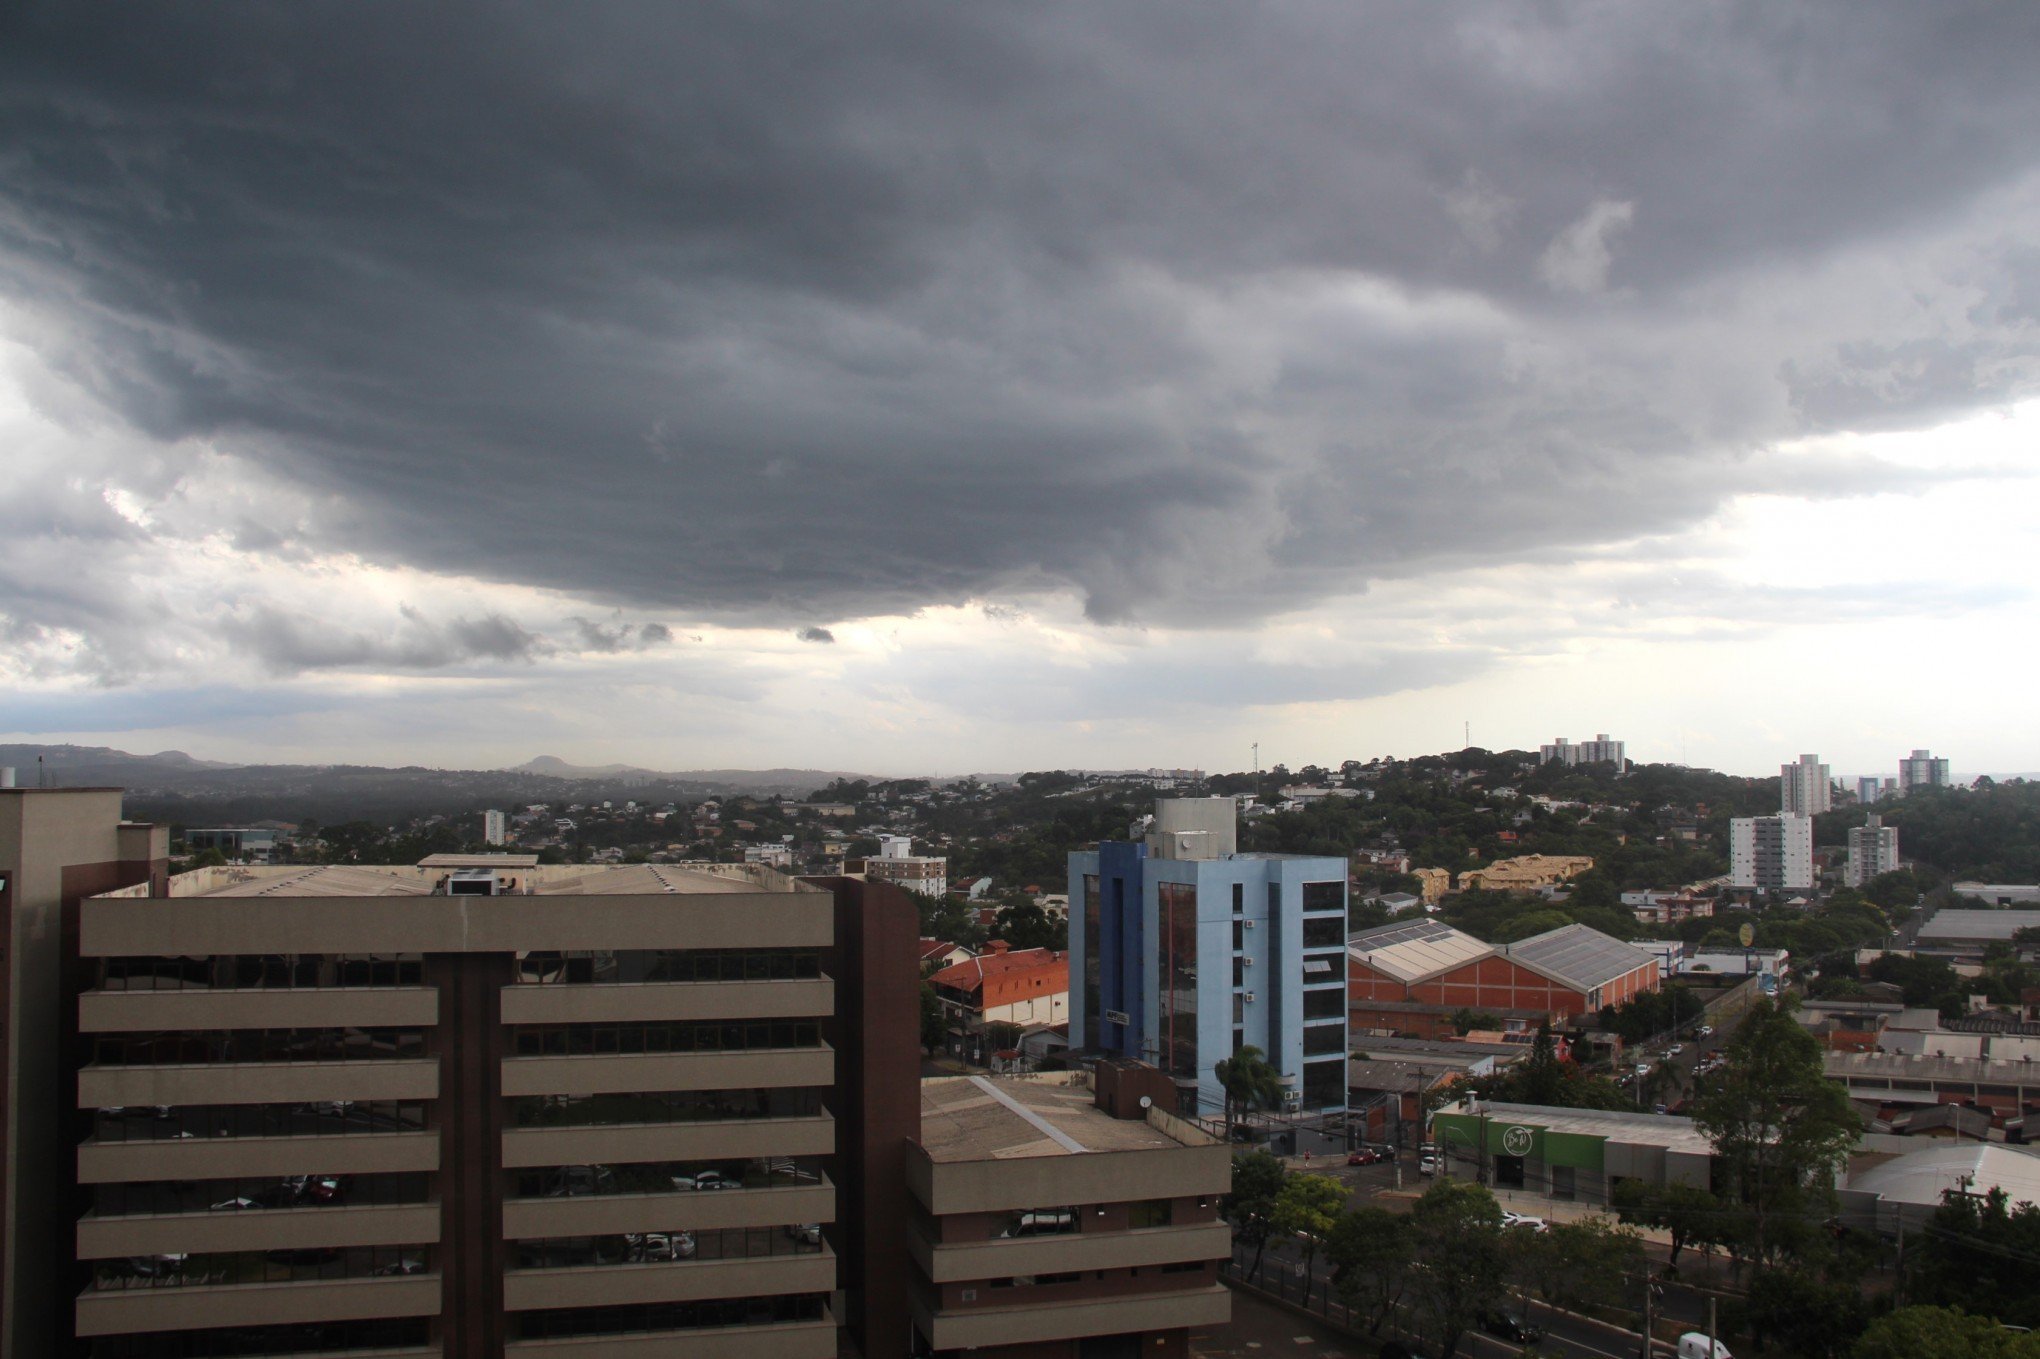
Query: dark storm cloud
(286, 643)
(784, 312)
(816, 635)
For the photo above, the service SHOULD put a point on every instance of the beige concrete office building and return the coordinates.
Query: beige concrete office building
(461, 1109)
(1054, 1221)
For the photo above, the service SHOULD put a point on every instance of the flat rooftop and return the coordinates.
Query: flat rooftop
(984, 1118)
(1969, 926)
(520, 879)
(1668, 1131)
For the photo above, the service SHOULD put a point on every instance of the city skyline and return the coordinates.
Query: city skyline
(926, 391)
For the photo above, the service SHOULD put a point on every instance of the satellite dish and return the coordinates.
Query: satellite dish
(1147, 1101)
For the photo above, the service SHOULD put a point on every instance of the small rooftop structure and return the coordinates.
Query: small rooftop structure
(479, 861)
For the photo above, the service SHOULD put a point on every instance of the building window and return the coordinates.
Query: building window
(1239, 1007)
(1177, 903)
(1152, 1213)
(1324, 896)
(1326, 1002)
(1239, 898)
(1239, 972)
(1319, 1039)
(1324, 1084)
(1093, 998)
(1037, 1222)
(1324, 931)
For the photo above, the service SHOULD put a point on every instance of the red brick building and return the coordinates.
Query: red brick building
(1412, 977)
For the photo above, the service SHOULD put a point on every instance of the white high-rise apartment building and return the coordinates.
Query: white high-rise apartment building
(1803, 788)
(1868, 790)
(1771, 853)
(492, 827)
(1585, 752)
(1873, 849)
(1921, 770)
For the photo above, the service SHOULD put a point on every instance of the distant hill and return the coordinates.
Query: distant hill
(174, 786)
(787, 781)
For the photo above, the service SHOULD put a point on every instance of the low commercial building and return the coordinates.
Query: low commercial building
(1574, 1154)
(1967, 933)
(1021, 987)
(2001, 893)
(2003, 1086)
(1890, 1194)
(247, 844)
(1058, 1220)
(1413, 977)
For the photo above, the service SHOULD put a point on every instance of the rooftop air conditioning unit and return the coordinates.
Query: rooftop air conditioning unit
(1248, 924)
(1247, 961)
(1248, 997)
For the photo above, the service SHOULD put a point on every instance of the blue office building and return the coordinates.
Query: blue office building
(1183, 950)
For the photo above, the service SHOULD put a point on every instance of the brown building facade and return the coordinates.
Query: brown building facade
(1046, 1228)
(491, 1110)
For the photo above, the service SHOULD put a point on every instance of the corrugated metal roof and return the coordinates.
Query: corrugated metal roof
(1578, 955)
(1972, 925)
(1921, 1177)
(1411, 950)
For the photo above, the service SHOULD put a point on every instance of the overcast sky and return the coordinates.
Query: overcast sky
(933, 388)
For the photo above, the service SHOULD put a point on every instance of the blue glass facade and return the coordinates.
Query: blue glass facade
(1183, 961)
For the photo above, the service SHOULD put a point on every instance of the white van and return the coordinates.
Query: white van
(1696, 1345)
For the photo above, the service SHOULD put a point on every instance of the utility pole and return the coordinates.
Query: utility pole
(1712, 1344)
(1648, 1289)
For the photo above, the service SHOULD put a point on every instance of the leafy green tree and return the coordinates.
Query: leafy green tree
(1780, 1128)
(1690, 1215)
(1308, 1208)
(1257, 1179)
(1942, 1333)
(1587, 1262)
(1249, 1082)
(1369, 1250)
(1978, 1255)
(1025, 925)
(1457, 1243)
(1794, 1310)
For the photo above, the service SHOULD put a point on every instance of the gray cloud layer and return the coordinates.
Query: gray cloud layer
(791, 312)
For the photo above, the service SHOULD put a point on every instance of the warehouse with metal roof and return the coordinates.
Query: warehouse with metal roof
(1415, 977)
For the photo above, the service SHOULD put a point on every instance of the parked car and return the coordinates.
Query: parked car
(1365, 1156)
(1706, 1031)
(1675, 1049)
(806, 1233)
(1535, 1224)
(1427, 1164)
(1510, 1326)
(234, 1205)
(570, 1181)
(660, 1247)
(705, 1180)
(1696, 1345)
(155, 1266)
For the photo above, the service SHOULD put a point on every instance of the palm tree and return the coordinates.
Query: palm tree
(1249, 1082)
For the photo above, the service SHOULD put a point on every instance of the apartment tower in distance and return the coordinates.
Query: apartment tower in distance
(492, 827)
(1921, 770)
(1771, 853)
(1596, 751)
(1873, 849)
(1803, 788)
(57, 846)
(1183, 950)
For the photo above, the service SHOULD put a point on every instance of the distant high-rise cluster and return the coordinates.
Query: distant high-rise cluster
(1921, 770)
(1803, 787)
(492, 828)
(1585, 752)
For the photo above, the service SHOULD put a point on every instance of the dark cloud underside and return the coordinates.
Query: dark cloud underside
(794, 312)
